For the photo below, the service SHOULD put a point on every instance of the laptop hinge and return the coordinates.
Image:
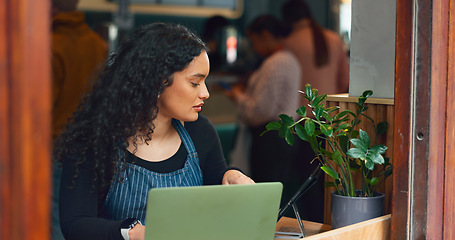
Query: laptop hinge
(292, 235)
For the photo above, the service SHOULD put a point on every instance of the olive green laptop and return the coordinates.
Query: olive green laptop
(219, 212)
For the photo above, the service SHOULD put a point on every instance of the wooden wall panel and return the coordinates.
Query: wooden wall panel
(4, 129)
(402, 124)
(381, 110)
(449, 187)
(25, 119)
(437, 120)
(421, 89)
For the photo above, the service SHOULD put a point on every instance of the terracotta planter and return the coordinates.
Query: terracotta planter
(349, 210)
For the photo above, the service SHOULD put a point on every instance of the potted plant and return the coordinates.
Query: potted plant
(341, 149)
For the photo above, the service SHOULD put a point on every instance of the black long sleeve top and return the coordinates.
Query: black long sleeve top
(79, 204)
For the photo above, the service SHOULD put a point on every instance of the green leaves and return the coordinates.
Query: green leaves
(309, 127)
(327, 130)
(342, 127)
(381, 128)
(309, 92)
(289, 137)
(286, 120)
(365, 95)
(372, 181)
(330, 172)
(337, 158)
(361, 146)
(380, 149)
(365, 139)
(371, 156)
(346, 149)
(300, 130)
(318, 111)
(301, 111)
(318, 100)
(356, 153)
(273, 126)
(374, 156)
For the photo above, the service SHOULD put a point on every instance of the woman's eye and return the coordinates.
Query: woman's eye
(195, 84)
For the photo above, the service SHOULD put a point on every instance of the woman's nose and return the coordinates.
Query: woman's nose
(204, 93)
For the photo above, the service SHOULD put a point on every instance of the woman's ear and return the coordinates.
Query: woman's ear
(168, 81)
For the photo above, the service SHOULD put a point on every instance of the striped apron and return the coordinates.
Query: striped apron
(129, 198)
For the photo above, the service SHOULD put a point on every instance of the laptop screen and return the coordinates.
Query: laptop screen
(240, 212)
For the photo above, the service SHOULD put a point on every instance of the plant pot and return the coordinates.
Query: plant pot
(349, 210)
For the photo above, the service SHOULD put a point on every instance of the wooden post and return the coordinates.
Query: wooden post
(423, 112)
(25, 119)
(449, 175)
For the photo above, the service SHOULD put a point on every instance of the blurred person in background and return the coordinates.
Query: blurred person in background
(270, 91)
(213, 37)
(320, 51)
(77, 51)
(324, 65)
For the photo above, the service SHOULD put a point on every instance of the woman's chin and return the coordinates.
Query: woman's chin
(190, 118)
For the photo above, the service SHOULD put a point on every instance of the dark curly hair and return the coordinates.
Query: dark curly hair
(124, 97)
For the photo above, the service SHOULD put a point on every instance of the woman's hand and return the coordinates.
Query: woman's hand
(236, 177)
(236, 91)
(137, 232)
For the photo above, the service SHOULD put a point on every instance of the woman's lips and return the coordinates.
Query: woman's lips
(198, 107)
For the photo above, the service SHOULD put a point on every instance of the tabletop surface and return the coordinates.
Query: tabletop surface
(287, 224)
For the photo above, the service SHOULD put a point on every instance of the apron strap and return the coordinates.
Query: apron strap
(187, 141)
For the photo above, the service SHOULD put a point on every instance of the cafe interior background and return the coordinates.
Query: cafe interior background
(114, 19)
(376, 29)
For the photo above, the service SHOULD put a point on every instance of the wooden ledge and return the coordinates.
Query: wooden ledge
(346, 98)
(151, 8)
(374, 229)
(287, 224)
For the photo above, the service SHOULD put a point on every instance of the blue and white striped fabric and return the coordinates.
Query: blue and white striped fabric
(129, 198)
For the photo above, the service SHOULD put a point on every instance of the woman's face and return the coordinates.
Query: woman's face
(183, 100)
(258, 43)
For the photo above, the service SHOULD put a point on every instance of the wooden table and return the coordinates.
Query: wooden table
(287, 224)
(374, 229)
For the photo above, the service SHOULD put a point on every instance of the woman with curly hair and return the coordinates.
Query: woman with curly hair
(139, 128)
